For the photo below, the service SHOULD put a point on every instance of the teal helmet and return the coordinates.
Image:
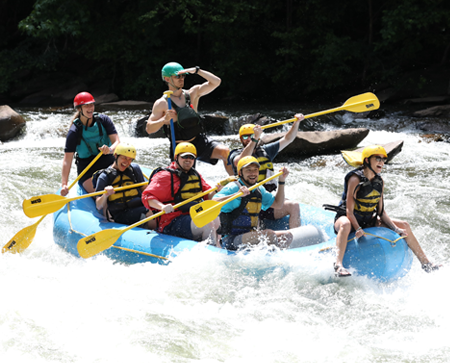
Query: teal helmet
(171, 69)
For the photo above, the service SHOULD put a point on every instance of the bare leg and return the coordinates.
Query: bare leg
(150, 224)
(411, 240)
(343, 228)
(291, 209)
(207, 231)
(88, 186)
(221, 152)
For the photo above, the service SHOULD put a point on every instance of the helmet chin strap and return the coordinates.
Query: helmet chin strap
(183, 169)
(82, 114)
(368, 165)
(171, 83)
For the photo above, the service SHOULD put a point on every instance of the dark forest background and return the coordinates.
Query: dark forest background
(272, 49)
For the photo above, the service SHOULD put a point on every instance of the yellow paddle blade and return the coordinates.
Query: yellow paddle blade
(43, 204)
(204, 212)
(362, 103)
(91, 245)
(22, 239)
(352, 158)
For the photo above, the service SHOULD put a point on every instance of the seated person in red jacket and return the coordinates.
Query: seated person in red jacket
(172, 185)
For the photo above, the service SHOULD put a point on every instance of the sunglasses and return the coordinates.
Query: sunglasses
(245, 137)
(379, 159)
(190, 157)
(182, 76)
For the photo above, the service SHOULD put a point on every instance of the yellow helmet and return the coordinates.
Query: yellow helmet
(185, 148)
(245, 161)
(125, 149)
(373, 150)
(246, 129)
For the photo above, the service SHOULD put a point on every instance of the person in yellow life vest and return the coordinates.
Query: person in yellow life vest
(240, 217)
(174, 184)
(362, 206)
(125, 206)
(250, 136)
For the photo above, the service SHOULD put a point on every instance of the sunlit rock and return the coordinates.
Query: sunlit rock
(310, 143)
(10, 123)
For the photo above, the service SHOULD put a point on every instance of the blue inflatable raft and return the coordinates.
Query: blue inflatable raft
(380, 255)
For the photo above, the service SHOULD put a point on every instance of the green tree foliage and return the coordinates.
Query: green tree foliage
(272, 48)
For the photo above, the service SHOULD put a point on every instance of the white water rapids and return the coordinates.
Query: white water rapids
(205, 307)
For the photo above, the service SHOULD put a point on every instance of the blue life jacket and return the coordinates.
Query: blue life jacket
(91, 138)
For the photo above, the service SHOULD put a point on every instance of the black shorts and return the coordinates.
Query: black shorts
(205, 148)
(102, 163)
(130, 216)
(363, 225)
(267, 214)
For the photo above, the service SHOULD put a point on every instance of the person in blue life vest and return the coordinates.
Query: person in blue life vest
(175, 184)
(239, 218)
(362, 206)
(250, 136)
(88, 134)
(184, 112)
(124, 206)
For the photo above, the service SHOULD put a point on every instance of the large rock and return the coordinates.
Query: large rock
(59, 94)
(436, 111)
(127, 105)
(10, 123)
(312, 143)
(216, 124)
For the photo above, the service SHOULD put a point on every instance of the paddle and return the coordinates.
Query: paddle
(91, 245)
(24, 237)
(361, 103)
(205, 212)
(50, 203)
(352, 158)
(172, 130)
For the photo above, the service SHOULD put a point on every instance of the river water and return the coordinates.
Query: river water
(205, 307)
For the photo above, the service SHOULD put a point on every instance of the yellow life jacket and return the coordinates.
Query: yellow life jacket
(190, 185)
(367, 195)
(126, 199)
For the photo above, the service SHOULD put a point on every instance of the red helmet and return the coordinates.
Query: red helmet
(83, 98)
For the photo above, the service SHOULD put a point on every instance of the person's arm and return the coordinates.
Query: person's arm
(102, 201)
(292, 133)
(220, 197)
(197, 91)
(250, 148)
(160, 116)
(156, 204)
(67, 164)
(279, 197)
(105, 149)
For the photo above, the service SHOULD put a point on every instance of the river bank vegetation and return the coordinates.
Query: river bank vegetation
(277, 50)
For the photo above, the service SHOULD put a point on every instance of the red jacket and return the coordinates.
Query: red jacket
(160, 189)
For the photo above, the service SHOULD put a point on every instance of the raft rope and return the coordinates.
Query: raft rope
(386, 239)
(118, 247)
(393, 242)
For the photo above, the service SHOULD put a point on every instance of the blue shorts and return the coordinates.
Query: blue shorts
(180, 227)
